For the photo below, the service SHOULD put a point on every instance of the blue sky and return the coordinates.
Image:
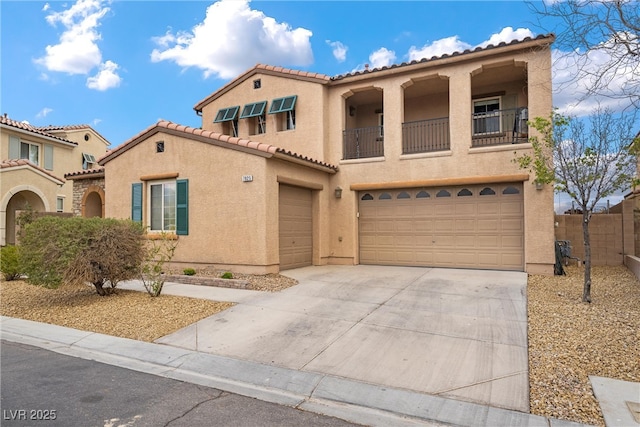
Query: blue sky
(120, 66)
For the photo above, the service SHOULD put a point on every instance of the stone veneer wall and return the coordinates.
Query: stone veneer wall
(80, 186)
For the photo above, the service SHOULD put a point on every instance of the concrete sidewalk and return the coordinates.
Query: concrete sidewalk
(350, 400)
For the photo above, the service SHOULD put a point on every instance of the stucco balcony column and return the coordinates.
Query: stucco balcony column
(393, 117)
(460, 111)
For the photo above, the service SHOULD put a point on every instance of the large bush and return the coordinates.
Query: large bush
(10, 262)
(77, 250)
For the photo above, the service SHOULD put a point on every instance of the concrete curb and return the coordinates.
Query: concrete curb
(350, 400)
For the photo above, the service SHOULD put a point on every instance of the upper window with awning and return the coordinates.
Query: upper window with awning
(226, 114)
(253, 110)
(281, 105)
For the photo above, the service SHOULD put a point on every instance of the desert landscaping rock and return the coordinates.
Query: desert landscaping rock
(568, 340)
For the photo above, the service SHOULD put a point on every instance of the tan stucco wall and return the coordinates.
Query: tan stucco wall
(308, 136)
(232, 224)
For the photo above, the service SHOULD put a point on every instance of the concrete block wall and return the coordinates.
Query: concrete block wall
(612, 235)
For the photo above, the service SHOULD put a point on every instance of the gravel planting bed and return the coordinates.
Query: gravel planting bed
(568, 340)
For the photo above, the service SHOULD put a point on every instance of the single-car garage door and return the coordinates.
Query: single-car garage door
(295, 220)
(478, 226)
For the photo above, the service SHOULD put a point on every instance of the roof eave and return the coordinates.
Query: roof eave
(35, 134)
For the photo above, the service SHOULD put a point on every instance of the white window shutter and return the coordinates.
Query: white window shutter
(48, 157)
(14, 147)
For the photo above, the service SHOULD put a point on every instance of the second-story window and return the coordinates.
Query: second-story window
(30, 152)
(286, 113)
(88, 161)
(486, 116)
(256, 113)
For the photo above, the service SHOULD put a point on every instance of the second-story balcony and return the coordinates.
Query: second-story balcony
(362, 143)
(498, 127)
(424, 136)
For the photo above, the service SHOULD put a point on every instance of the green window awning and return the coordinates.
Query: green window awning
(252, 110)
(281, 105)
(226, 114)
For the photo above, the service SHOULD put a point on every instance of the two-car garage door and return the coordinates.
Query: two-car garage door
(477, 226)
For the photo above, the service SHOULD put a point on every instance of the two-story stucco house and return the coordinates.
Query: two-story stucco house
(33, 163)
(410, 164)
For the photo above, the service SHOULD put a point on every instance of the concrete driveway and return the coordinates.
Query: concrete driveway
(460, 334)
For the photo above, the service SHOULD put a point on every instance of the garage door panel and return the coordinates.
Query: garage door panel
(444, 224)
(465, 209)
(489, 207)
(514, 224)
(512, 241)
(511, 207)
(488, 242)
(296, 227)
(465, 225)
(488, 225)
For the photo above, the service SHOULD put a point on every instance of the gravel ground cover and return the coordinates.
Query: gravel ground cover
(568, 340)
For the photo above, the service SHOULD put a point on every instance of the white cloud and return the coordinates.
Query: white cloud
(575, 72)
(439, 47)
(77, 51)
(339, 50)
(44, 112)
(232, 38)
(452, 44)
(106, 78)
(507, 34)
(382, 57)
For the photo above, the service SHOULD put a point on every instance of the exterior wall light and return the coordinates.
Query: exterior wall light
(539, 185)
(338, 192)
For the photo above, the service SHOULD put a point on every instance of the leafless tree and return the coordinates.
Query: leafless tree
(598, 47)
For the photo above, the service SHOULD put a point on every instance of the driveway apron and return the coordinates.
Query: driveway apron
(455, 333)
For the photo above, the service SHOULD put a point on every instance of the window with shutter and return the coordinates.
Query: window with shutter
(136, 202)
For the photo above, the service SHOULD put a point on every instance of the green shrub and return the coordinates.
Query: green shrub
(189, 271)
(227, 275)
(10, 262)
(159, 250)
(75, 250)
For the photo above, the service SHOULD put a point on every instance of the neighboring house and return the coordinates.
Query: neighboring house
(410, 164)
(33, 163)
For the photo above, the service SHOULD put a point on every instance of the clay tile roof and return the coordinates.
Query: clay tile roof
(285, 72)
(187, 130)
(306, 159)
(14, 163)
(96, 172)
(444, 56)
(4, 120)
(66, 127)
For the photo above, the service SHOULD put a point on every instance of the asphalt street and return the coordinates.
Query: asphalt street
(44, 388)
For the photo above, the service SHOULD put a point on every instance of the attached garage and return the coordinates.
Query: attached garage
(476, 226)
(296, 227)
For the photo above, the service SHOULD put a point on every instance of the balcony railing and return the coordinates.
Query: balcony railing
(361, 143)
(424, 136)
(500, 127)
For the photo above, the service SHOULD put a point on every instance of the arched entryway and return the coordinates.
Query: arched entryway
(93, 202)
(19, 201)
